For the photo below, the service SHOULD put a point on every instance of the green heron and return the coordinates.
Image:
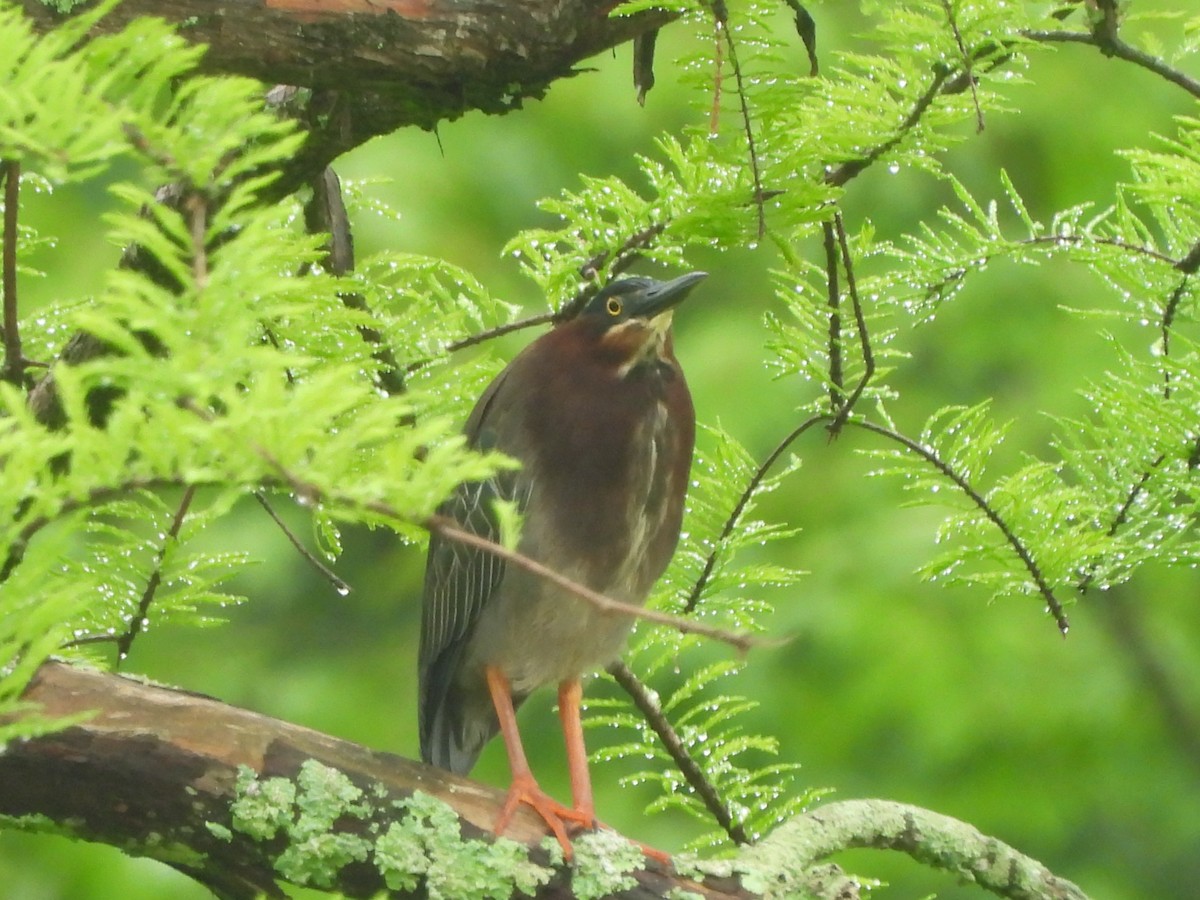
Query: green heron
(598, 413)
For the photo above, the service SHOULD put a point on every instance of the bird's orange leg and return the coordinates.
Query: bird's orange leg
(524, 788)
(570, 694)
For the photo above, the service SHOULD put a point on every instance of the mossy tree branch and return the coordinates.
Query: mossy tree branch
(240, 801)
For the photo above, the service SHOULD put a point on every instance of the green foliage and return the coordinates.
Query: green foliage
(242, 370)
(235, 371)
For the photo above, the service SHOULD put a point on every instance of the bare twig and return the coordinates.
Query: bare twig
(307, 555)
(1115, 46)
(834, 294)
(643, 63)
(326, 212)
(197, 209)
(450, 530)
(653, 715)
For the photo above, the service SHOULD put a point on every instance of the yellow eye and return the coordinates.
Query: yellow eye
(613, 306)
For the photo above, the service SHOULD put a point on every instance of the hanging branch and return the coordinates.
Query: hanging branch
(967, 63)
(860, 322)
(15, 363)
(652, 712)
(721, 17)
(339, 585)
(1023, 553)
(834, 294)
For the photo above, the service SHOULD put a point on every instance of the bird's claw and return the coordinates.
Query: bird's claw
(556, 816)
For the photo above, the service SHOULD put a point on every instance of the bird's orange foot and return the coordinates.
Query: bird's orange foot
(556, 816)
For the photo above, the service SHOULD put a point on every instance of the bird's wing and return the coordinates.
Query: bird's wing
(459, 581)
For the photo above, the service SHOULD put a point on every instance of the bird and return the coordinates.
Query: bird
(598, 414)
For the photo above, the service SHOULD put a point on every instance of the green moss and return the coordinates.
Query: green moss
(424, 846)
(317, 860)
(603, 863)
(427, 843)
(262, 808)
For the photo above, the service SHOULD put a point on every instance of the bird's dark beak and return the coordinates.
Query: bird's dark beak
(664, 295)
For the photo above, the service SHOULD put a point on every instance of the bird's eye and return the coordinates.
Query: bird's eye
(613, 306)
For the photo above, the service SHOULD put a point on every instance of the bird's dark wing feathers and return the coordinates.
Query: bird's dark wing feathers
(459, 581)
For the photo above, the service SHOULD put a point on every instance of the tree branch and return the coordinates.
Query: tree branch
(240, 801)
(225, 795)
(377, 65)
(928, 837)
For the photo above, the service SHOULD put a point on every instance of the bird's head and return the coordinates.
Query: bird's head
(632, 317)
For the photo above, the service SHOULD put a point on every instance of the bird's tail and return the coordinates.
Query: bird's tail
(455, 728)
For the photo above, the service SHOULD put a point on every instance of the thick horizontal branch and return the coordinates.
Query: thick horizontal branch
(377, 65)
(239, 801)
(184, 778)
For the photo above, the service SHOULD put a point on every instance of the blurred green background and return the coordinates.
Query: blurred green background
(891, 687)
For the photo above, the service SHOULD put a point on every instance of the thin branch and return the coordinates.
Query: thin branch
(307, 555)
(834, 293)
(653, 715)
(852, 168)
(138, 620)
(1079, 240)
(624, 257)
(1121, 50)
(860, 322)
(1053, 605)
(835, 240)
(967, 74)
(739, 508)
(481, 337)
(14, 358)
(721, 14)
(450, 530)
